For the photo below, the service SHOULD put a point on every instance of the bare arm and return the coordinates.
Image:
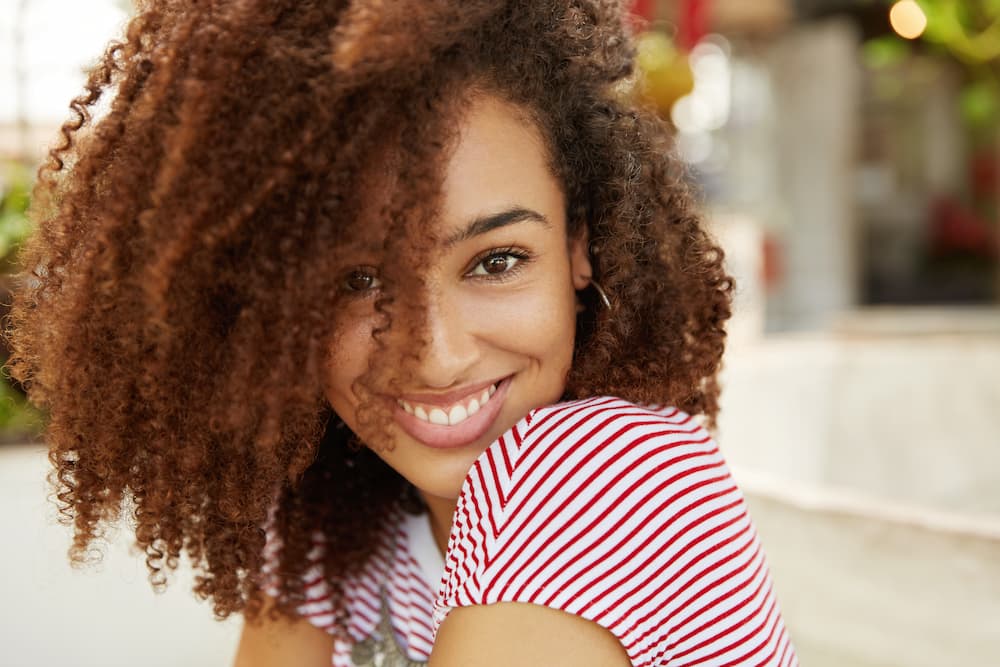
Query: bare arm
(528, 635)
(266, 643)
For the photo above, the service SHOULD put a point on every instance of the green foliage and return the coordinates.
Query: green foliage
(967, 31)
(16, 415)
(970, 29)
(887, 51)
(15, 190)
(980, 104)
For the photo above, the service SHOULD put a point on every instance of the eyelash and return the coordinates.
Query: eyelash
(520, 255)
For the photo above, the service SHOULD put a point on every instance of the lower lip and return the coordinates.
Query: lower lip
(441, 436)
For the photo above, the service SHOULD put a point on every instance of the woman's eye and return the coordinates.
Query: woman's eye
(495, 264)
(361, 281)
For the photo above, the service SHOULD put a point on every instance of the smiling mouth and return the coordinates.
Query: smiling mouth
(452, 415)
(457, 424)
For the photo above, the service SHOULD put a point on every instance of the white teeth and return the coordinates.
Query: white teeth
(457, 415)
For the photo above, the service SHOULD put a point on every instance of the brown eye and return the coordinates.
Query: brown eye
(500, 263)
(361, 281)
(496, 263)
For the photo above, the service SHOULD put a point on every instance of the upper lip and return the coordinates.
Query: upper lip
(453, 396)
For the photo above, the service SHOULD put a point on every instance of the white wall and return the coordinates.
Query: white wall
(104, 616)
(871, 462)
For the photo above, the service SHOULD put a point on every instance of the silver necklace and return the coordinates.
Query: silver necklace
(384, 651)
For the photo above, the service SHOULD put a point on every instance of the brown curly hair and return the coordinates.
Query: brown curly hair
(176, 303)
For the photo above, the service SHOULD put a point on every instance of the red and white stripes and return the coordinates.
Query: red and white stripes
(394, 569)
(625, 516)
(622, 514)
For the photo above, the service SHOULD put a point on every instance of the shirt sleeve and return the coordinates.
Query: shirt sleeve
(317, 606)
(626, 516)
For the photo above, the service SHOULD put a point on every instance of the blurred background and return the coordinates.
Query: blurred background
(848, 152)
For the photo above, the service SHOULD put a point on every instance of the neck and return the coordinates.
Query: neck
(441, 511)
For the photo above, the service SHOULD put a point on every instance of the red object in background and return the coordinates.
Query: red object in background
(958, 228)
(692, 19)
(640, 14)
(643, 9)
(772, 269)
(985, 174)
(692, 23)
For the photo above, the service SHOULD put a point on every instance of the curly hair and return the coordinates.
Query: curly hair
(178, 299)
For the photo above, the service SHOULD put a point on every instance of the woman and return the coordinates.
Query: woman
(374, 309)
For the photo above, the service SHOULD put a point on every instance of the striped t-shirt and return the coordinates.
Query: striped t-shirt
(621, 514)
(395, 588)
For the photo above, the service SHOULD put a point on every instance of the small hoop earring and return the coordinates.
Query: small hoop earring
(602, 293)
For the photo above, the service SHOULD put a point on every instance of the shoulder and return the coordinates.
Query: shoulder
(571, 459)
(592, 411)
(586, 462)
(626, 516)
(607, 443)
(605, 463)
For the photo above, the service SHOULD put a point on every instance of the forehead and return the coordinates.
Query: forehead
(497, 160)
(500, 160)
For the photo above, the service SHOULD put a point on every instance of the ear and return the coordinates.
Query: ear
(579, 259)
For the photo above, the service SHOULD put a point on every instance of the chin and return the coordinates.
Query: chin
(447, 484)
(443, 492)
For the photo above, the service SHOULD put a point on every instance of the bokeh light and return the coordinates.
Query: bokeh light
(908, 19)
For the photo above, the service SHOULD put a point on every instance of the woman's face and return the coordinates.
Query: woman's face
(501, 303)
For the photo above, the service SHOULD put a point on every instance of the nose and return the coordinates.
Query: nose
(451, 349)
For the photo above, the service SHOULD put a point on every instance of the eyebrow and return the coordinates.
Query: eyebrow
(488, 223)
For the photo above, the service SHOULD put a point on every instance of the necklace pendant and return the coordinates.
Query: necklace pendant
(382, 649)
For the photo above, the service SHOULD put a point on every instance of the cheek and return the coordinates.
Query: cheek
(562, 329)
(347, 361)
(539, 321)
